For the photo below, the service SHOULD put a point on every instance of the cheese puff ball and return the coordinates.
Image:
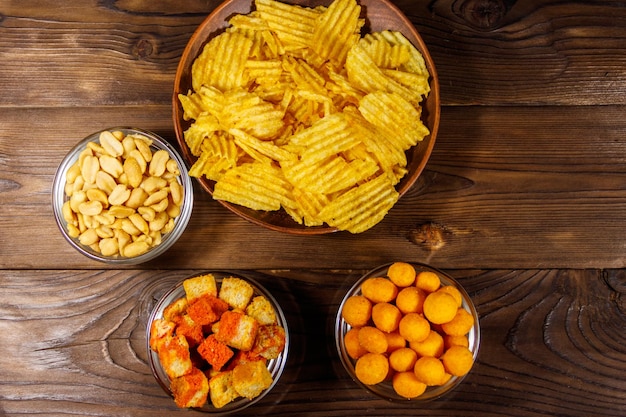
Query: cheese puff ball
(430, 371)
(431, 346)
(460, 325)
(427, 281)
(379, 290)
(351, 341)
(402, 274)
(458, 360)
(453, 291)
(410, 300)
(406, 385)
(372, 339)
(357, 311)
(414, 327)
(371, 368)
(386, 316)
(439, 307)
(394, 341)
(403, 359)
(455, 341)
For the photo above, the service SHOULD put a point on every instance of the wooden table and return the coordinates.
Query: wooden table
(523, 200)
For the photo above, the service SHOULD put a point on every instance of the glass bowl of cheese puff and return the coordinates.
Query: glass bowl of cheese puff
(217, 342)
(307, 116)
(122, 196)
(407, 331)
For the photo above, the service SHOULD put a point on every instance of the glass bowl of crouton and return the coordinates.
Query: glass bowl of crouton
(217, 342)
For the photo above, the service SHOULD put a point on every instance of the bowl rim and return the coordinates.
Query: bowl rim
(432, 111)
(59, 197)
(276, 366)
(384, 389)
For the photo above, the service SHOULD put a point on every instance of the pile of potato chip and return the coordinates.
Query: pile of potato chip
(292, 108)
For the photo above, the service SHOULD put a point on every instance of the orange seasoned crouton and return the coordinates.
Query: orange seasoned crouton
(206, 309)
(261, 309)
(236, 292)
(243, 357)
(221, 390)
(174, 356)
(215, 352)
(175, 310)
(236, 329)
(251, 378)
(160, 329)
(190, 390)
(270, 341)
(191, 330)
(198, 286)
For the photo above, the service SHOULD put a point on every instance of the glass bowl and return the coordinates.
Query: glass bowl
(59, 197)
(275, 366)
(385, 389)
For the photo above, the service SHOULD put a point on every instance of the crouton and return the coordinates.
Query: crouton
(175, 310)
(261, 309)
(198, 286)
(191, 330)
(160, 329)
(270, 341)
(243, 357)
(251, 378)
(207, 309)
(221, 390)
(174, 356)
(236, 292)
(236, 329)
(215, 352)
(190, 390)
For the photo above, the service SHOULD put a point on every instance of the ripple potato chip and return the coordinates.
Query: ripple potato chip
(293, 108)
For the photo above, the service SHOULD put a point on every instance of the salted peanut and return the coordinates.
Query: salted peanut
(159, 162)
(111, 165)
(159, 222)
(105, 218)
(172, 167)
(138, 157)
(118, 134)
(88, 237)
(139, 223)
(156, 197)
(119, 195)
(96, 194)
(105, 182)
(130, 228)
(73, 231)
(176, 191)
(143, 146)
(173, 210)
(72, 173)
(96, 148)
(134, 174)
(152, 184)
(90, 208)
(108, 246)
(123, 239)
(79, 184)
(161, 205)
(169, 226)
(136, 198)
(120, 211)
(128, 143)
(137, 248)
(104, 232)
(147, 213)
(68, 214)
(89, 167)
(111, 144)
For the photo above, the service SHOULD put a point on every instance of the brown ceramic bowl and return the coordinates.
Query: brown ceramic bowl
(380, 15)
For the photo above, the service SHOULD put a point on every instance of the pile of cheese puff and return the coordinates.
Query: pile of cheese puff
(409, 327)
(215, 342)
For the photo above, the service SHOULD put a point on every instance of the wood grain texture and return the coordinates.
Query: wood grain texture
(551, 345)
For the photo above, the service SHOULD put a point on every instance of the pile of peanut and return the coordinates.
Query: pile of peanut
(123, 197)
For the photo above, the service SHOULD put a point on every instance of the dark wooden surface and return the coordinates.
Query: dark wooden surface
(523, 200)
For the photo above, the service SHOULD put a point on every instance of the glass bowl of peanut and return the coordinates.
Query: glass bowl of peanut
(122, 196)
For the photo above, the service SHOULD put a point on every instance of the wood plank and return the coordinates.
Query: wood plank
(551, 344)
(499, 191)
(101, 53)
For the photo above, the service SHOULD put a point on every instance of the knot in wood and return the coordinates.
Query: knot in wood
(483, 14)
(428, 235)
(143, 48)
